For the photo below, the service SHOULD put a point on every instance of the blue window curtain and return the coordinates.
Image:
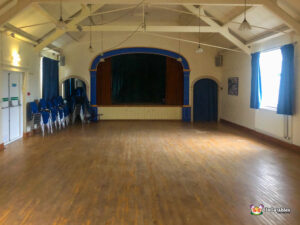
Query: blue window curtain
(50, 78)
(256, 92)
(286, 90)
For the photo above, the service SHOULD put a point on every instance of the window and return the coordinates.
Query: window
(270, 67)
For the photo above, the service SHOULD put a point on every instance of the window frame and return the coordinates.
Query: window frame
(269, 107)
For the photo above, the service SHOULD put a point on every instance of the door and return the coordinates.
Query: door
(205, 100)
(11, 106)
(5, 107)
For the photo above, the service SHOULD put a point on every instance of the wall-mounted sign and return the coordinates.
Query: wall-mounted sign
(14, 85)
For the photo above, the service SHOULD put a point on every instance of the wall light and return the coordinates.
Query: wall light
(16, 59)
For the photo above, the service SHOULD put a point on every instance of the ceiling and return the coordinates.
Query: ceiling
(39, 20)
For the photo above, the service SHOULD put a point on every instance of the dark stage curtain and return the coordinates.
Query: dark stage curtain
(50, 78)
(174, 82)
(138, 79)
(104, 84)
(205, 100)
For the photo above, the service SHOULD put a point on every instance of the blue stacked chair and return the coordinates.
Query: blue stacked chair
(60, 115)
(35, 115)
(46, 117)
(66, 114)
(53, 114)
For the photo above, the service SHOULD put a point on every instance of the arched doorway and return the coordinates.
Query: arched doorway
(205, 100)
(69, 86)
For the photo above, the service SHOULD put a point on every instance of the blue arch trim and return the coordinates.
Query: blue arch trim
(140, 50)
(186, 112)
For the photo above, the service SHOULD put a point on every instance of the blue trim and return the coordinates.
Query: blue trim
(93, 87)
(186, 112)
(186, 89)
(140, 50)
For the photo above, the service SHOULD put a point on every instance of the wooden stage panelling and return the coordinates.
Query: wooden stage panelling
(147, 173)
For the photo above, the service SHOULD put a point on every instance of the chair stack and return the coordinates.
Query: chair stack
(57, 113)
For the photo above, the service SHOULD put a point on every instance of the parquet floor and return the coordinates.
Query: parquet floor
(147, 173)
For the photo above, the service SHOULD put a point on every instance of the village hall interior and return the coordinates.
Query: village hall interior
(149, 112)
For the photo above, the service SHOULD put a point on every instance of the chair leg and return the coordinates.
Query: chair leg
(43, 128)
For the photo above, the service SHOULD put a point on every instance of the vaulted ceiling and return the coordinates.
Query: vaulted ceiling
(36, 20)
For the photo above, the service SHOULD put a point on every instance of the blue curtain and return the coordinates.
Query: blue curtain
(205, 100)
(286, 90)
(256, 92)
(50, 78)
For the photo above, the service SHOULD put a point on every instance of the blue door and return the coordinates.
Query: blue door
(205, 100)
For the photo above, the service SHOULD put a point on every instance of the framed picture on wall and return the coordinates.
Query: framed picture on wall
(233, 86)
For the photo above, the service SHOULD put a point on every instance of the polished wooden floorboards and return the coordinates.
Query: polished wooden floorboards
(147, 173)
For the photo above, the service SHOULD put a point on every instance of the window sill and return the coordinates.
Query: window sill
(269, 108)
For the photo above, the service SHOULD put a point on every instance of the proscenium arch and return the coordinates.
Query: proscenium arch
(186, 110)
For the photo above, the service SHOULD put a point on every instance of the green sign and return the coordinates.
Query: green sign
(14, 98)
(4, 99)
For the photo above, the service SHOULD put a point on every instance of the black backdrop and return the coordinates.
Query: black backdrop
(138, 79)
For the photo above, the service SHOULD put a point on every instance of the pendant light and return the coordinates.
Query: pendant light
(245, 25)
(102, 52)
(179, 59)
(61, 24)
(199, 50)
(91, 47)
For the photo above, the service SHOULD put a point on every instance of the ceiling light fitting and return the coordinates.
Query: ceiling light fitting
(199, 50)
(245, 25)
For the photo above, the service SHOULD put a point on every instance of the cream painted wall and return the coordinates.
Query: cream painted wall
(78, 58)
(29, 66)
(237, 108)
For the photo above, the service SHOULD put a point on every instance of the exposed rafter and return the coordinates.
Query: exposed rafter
(85, 13)
(129, 28)
(164, 2)
(43, 11)
(13, 11)
(281, 30)
(27, 37)
(189, 4)
(288, 20)
(249, 9)
(222, 30)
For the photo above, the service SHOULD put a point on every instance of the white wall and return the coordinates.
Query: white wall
(29, 66)
(78, 58)
(236, 109)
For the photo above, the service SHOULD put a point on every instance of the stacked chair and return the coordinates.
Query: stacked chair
(57, 112)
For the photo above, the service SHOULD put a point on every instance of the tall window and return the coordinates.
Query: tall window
(270, 67)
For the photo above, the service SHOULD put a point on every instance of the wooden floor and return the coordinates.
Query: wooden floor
(147, 173)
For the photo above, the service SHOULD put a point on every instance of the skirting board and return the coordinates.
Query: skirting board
(1, 147)
(263, 136)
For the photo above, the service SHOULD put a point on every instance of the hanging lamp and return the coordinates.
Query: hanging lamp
(199, 50)
(245, 25)
(102, 59)
(61, 23)
(91, 47)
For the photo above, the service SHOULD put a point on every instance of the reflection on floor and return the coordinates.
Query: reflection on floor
(147, 172)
